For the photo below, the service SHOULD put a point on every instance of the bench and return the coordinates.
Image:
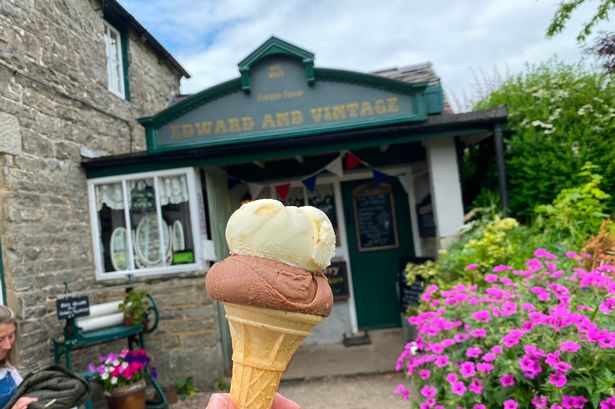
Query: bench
(105, 323)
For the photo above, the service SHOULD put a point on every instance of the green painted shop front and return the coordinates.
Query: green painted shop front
(304, 135)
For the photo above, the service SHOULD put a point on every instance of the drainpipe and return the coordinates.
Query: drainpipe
(499, 155)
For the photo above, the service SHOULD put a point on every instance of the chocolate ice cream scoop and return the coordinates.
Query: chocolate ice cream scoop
(261, 282)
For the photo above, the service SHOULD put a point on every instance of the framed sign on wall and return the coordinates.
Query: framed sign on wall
(375, 220)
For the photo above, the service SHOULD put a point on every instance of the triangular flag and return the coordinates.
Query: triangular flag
(283, 190)
(379, 177)
(255, 190)
(335, 167)
(352, 161)
(405, 180)
(310, 183)
(232, 182)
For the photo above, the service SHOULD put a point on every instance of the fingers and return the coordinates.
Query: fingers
(280, 402)
(223, 401)
(23, 402)
(220, 401)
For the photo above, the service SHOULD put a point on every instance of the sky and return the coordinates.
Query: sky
(472, 44)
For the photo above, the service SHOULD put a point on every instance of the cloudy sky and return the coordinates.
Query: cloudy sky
(466, 40)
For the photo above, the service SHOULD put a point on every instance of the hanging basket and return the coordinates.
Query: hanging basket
(127, 397)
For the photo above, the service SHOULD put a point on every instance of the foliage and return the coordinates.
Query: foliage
(604, 49)
(564, 12)
(185, 388)
(542, 336)
(576, 213)
(127, 367)
(224, 384)
(135, 305)
(559, 117)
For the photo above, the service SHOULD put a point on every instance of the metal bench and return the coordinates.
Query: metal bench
(105, 323)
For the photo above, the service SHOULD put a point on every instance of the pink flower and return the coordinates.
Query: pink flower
(471, 266)
(479, 333)
(428, 391)
(539, 402)
(442, 361)
(401, 390)
(507, 380)
(458, 388)
(484, 368)
(482, 315)
(496, 349)
(473, 352)
(528, 307)
(489, 357)
(542, 253)
(491, 278)
(467, 369)
(424, 373)
(558, 379)
(569, 346)
(572, 254)
(452, 377)
(510, 404)
(475, 386)
(479, 406)
(501, 268)
(607, 306)
(562, 366)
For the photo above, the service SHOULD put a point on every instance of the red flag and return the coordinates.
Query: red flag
(283, 190)
(352, 161)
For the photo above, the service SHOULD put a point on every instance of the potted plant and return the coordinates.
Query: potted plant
(122, 377)
(134, 307)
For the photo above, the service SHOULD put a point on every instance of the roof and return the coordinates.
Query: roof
(469, 124)
(145, 35)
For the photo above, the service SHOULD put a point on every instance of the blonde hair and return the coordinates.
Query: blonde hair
(7, 317)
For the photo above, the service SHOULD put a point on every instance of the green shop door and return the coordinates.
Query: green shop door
(379, 239)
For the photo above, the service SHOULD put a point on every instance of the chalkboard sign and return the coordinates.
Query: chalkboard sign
(73, 307)
(427, 224)
(409, 295)
(375, 220)
(142, 197)
(338, 280)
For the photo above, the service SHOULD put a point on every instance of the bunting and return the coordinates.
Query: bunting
(352, 161)
(335, 167)
(283, 190)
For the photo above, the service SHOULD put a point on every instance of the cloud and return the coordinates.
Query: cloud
(210, 37)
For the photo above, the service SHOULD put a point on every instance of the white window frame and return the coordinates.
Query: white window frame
(197, 224)
(117, 89)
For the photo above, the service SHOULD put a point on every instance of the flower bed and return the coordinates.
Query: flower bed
(541, 337)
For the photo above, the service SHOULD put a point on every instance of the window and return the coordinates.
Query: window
(115, 65)
(147, 223)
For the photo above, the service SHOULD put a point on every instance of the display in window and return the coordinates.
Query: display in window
(119, 249)
(147, 242)
(295, 197)
(323, 198)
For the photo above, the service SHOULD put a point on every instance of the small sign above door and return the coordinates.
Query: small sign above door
(375, 219)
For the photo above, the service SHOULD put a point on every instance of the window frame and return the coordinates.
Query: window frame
(109, 28)
(197, 224)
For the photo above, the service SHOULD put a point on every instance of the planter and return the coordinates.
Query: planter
(127, 397)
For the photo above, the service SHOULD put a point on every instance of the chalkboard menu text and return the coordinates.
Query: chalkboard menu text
(375, 220)
(338, 280)
(73, 307)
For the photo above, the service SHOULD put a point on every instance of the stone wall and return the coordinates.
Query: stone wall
(54, 102)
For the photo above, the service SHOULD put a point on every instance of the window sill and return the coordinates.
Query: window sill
(153, 272)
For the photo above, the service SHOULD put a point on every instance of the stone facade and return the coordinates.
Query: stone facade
(54, 102)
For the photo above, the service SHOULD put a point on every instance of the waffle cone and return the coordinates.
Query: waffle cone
(264, 341)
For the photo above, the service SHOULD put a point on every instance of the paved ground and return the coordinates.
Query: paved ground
(360, 392)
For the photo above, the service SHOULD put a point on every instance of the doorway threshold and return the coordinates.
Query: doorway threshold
(357, 339)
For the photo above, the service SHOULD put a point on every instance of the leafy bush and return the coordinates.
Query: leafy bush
(542, 336)
(559, 117)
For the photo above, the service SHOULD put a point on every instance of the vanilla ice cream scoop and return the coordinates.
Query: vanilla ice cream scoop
(299, 236)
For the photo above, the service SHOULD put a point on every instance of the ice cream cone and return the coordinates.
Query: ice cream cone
(264, 340)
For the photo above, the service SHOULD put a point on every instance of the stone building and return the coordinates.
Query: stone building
(74, 77)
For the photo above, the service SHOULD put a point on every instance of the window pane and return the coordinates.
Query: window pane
(295, 197)
(145, 229)
(323, 198)
(175, 206)
(113, 240)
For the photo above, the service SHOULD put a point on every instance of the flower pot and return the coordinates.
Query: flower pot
(127, 397)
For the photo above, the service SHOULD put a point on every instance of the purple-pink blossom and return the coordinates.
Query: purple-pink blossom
(401, 389)
(473, 352)
(428, 391)
(467, 369)
(507, 380)
(511, 404)
(458, 388)
(471, 266)
(540, 401)
(475, 386)
(558, 379)
(452, 377)
(569, 346)
(424, 373)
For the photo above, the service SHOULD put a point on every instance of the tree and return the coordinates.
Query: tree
(564, 12)
(559, 117)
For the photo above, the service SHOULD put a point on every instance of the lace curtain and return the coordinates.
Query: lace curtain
(172, 189)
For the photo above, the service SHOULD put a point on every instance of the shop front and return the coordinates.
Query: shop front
(379, 156)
